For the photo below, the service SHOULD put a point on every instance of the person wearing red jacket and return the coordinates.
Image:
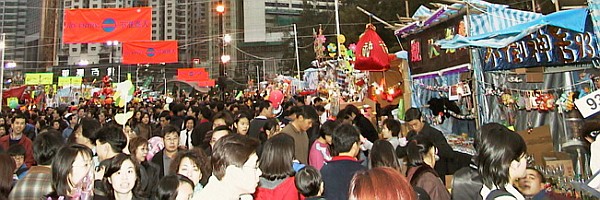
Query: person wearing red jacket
(276, 163)
(17, 137)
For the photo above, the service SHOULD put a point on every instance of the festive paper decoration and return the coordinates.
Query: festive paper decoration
(123, 93)
(318, 44)
(351, 50)
(104, 96)
(332, 49)
(122, 118)
(108, 100)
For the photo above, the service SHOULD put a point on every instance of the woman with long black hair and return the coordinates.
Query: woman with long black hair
(422, 156)
(501, 160)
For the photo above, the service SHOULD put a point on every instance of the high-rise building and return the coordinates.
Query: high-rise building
(13, 24)
(41, 35)
(32, 35)
(211, 43)
(176, 20)
(268, 35)
(199, 32)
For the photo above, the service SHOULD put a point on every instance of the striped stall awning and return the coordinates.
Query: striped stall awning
(495, 17)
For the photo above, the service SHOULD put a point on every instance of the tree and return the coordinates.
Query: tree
(352, 24)
(310, 20)
(353, 21)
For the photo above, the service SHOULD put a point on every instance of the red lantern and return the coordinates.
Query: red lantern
(371, 52)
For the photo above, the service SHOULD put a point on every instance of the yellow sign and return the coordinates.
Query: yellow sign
(76, 81)
(32, 79)
(46, 78)
(38, 78)
(63, 81)
(70, 80)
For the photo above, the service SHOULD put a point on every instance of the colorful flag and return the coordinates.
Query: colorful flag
(14, 92)
(107, 24)
(150, 52)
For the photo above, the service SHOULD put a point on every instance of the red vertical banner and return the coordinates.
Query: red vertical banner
(107, 24)
(150, 52)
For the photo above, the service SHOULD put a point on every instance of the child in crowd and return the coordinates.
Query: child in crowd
(309, 183)
(17, 153)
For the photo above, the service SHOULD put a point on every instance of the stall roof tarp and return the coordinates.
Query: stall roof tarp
(492, 17)
(574, 20)
(431, 19)
(495, 17)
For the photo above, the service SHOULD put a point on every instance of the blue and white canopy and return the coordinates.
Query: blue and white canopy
(574, 20)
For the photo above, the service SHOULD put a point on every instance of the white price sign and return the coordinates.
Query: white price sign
(589, 104)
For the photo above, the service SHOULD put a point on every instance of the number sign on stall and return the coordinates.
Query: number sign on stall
(589, 104)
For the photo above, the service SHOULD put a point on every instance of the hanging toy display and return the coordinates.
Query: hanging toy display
(528, 102)
(520, 101)
(332, 49)
(535, 102)
(507, 99)
(541, 104)
(565, 102)
(546, 102)
(318, 44)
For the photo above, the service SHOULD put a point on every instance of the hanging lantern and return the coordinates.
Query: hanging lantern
(371, 52)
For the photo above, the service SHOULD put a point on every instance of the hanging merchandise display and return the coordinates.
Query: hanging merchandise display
(371, 52)
(433, 87)
(318, 44)
(547, 100)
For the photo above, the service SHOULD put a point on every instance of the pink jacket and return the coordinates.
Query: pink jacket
(318, 154)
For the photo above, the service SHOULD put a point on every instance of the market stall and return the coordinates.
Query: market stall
(532, 76)
(440, 77)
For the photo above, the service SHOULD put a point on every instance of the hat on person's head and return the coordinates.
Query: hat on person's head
(68, 116)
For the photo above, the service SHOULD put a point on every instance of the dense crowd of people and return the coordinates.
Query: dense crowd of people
(206, 149)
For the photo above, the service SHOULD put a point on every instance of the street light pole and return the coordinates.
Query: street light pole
(296, 51)
(3, 48)
(337, 26)
(221, 11)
